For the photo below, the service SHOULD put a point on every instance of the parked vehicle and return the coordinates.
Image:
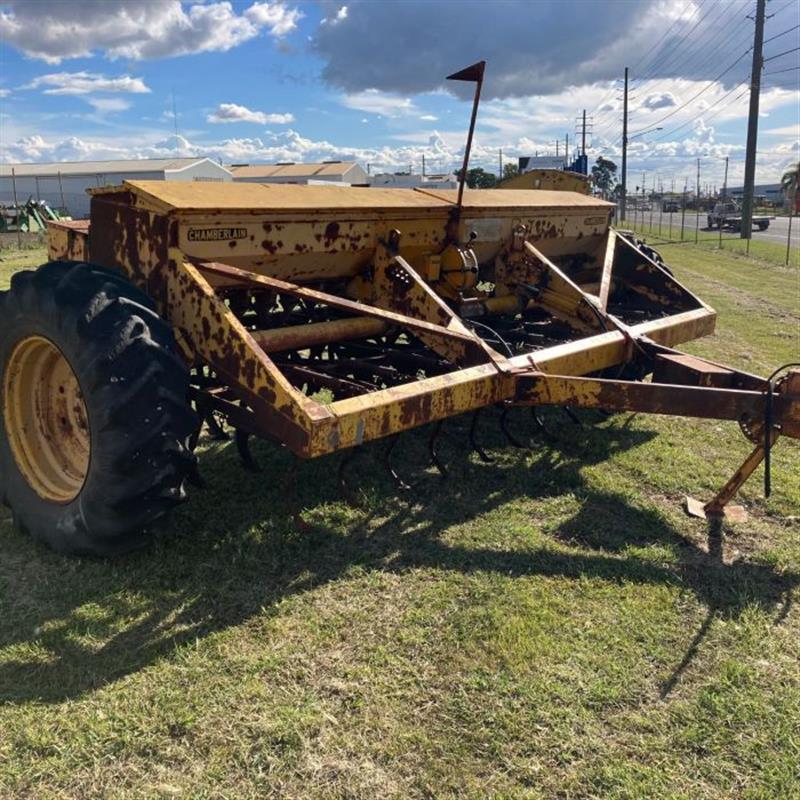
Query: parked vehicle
(727, 214)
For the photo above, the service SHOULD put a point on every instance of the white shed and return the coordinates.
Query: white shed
(64, 184)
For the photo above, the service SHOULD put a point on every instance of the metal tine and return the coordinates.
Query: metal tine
(435, 460)
(387, 461)
(215, 430)
(243, 446)
(538, 420)
(482, 454)
(572, 415)
(513, 441)
(344, 487)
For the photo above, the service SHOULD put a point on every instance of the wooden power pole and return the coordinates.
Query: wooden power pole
(623, 199)
(752, 122)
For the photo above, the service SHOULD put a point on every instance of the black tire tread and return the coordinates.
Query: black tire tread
(139, 385)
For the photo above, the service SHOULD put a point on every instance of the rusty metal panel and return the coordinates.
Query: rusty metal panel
(691, 371)
(277, 197)
(67, 240)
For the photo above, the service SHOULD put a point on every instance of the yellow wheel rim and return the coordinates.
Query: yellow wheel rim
(46, 421)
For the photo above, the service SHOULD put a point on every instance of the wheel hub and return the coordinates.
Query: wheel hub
(46, 420)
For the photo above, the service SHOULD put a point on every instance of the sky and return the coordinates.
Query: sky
(247, 82)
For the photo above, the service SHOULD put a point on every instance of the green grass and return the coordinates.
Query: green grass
(547, 625)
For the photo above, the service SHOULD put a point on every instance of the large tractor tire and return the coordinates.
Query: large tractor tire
(95, 421)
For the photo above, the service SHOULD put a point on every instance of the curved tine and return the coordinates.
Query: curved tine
(435, 460)
(194, 437)
(473, 428)
(344, 487)
(538, 420)
(215, 430)
(513, 441)
(572, 415)
(243, 446)
(387, 462)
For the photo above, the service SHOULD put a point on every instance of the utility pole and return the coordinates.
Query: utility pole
(566, 147)
(697, 206)
(583, 134)
(500, 174)
(725, 182)
(623, 191)
(752, 122)
(423, 165)
(556, 148)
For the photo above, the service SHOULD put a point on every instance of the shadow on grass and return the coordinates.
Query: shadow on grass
(69, 626)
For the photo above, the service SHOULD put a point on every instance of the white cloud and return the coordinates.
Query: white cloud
(339, 16)
(5, 92)
(230, 112)
(108, 104)
(85, 83)
(659, 100)
(443, 152)
(382, 103)
(279, 19)
(136, 29)
(786, 130)
(428, 118)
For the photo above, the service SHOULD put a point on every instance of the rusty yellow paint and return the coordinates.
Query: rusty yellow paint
(543, 179)
(68, 240)
(369, 246)
(361, 419)
(46, 420)
(218, 338)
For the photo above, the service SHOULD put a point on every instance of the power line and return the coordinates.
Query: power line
(702, 91)
(604, 122)
(778, 71)
(782, 8)
(713, 116)
(784, 53)
(655, 51)
(606, 118)
(694, 27)
(782, 33)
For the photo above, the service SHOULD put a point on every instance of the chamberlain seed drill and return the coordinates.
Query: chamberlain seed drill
(179, 303)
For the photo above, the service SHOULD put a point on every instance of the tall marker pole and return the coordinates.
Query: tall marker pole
(473, 74)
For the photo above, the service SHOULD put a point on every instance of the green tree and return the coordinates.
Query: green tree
(790, 182)
(604, 173)
(510, 170)
(479, 178)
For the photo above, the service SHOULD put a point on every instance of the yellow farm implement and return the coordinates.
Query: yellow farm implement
(323, 318)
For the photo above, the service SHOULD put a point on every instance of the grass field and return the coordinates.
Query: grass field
(550, 625)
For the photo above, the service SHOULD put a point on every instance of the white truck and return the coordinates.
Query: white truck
(727, 214)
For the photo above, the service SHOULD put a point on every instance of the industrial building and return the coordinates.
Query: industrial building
(63, 184)
(347, 173)
(771, 192)
(408, 180)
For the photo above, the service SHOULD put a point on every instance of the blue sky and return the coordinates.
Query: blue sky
(266, 81)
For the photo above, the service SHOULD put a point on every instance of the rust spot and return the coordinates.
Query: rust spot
(332, 230)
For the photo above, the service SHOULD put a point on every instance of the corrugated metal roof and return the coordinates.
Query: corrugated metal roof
(98, 167)
(291, 170)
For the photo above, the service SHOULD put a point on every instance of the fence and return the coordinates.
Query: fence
(679, 223)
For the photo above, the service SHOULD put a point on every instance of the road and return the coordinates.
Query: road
(776, 233)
